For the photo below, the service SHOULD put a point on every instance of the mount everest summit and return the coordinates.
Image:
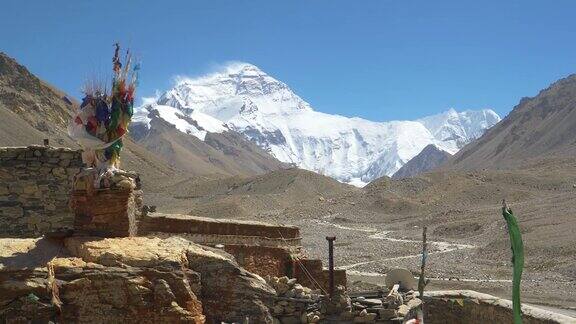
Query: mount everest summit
(243, 99)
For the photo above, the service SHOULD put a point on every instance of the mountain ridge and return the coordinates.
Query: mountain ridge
(538, 127)
(352, 150)
(430, 158)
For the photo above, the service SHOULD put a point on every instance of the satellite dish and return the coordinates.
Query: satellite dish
(400, 276)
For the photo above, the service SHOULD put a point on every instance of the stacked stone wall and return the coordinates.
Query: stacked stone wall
(35, 185)
(264, 261)
(471, 307)
(107, 212)
(173, 223)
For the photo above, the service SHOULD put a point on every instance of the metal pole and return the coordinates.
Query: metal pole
(330, 240)
(422, 282)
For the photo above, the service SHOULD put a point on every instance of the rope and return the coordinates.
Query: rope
(53, 286)
(303, 267)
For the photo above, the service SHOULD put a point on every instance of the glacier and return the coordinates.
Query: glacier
(243, 98)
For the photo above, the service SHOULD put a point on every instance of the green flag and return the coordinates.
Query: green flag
(517, 261)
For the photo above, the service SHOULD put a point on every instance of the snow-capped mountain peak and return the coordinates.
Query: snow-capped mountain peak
(220, 91)
(245, 99)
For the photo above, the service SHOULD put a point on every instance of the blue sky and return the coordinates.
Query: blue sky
(380, 59)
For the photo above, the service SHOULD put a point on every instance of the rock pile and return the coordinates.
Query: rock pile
(89, 179)
(286, 287)
(296, 304)
(339, 304)
(393, 307)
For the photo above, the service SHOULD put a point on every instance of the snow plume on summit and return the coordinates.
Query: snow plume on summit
(243, 98)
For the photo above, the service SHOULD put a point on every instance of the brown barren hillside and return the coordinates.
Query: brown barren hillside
(538, 127)
(227, 153)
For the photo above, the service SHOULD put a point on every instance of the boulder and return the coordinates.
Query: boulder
(372, 302)
(403, 310)
(387, 314)
(131, 280)
(229, 293)
(414, 302)
(86, 292)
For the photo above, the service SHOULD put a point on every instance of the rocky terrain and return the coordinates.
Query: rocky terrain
(379, 227)
(135, 280)
(268, 195)
(32, 101)
(430, 158)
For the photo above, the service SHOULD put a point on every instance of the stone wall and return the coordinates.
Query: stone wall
(261, 260)
(215, 239)
(278, 262)
(174, 223)
(35, 185)
(262, 248)
(112, 211)
(471, 307)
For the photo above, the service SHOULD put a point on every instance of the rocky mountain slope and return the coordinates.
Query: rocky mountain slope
(219, 150)
(245, 99)
(430, 158)
(260, 196)
(26, 98)
(537, 128)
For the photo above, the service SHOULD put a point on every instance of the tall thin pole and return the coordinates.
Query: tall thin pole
(330, 240)
(422, 282)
